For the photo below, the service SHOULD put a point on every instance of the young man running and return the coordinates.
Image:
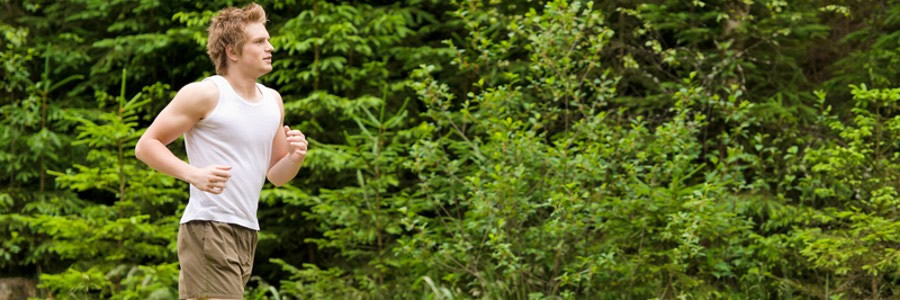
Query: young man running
(233, 133)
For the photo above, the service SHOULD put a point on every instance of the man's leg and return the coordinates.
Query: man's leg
(246, 239)
(211, 262)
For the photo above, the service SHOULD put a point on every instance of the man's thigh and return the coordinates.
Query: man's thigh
(215, 258)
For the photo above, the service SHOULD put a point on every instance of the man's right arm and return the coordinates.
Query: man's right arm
(191, 104)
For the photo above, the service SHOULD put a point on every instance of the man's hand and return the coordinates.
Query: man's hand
(211, 179)
(297, 144)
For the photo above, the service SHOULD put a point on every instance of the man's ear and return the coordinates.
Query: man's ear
(232, 54)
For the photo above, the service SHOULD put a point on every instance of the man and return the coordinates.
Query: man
(233, 133)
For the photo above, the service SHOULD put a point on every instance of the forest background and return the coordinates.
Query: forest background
(515, 149)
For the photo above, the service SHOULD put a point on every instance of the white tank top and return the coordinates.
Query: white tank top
(239, 134)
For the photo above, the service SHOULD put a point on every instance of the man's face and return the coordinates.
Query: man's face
(256, 56)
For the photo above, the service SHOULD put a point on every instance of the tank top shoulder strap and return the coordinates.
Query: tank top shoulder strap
(264, 90)
(269, 98)
(222, 84)
(268, 94)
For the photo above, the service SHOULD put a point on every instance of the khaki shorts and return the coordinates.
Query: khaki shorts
(216, 259)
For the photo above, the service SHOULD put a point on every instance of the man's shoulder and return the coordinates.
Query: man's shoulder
(200, 91)
(197, 98)
(274, 91)
(275, 94)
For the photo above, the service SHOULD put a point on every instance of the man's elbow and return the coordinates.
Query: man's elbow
(275, 182)
(143, 149)
(139, 150)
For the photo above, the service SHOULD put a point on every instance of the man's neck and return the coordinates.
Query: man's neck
(243, 85)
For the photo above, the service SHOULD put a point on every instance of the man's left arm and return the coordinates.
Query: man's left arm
(288, 151)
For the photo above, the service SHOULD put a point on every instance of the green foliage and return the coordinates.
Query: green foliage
(338, 75)
(853, 179)
(109, 242)
(478, 149)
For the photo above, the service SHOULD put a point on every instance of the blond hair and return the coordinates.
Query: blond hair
(227, 29)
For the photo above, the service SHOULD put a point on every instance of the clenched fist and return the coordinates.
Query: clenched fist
(297, 144)
(211, 179)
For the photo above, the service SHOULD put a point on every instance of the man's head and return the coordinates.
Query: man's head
(238, 38)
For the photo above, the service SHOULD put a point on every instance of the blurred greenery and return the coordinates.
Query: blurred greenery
(468, 149)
